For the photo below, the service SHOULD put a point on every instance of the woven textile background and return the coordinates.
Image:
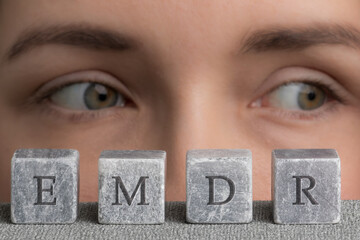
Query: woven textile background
(175, 227)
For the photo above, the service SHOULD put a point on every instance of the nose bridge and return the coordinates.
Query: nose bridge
(189, 116)
(193, 118)
(192, 114)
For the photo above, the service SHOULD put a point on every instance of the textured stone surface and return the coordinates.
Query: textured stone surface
(221, 201)
(306, 186)
(121, 172)
(44, 186)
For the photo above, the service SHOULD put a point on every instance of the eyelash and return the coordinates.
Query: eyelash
(328, 88)
(332, 106)
(53, 90)
(48, 108)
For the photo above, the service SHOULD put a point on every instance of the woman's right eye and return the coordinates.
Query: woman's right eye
(87, 96)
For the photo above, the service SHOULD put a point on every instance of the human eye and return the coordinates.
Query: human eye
(308, 95)
(87, 96)
(81, 95)
(300, 96)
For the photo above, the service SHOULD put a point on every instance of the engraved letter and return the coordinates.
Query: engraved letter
(40, 190)
(211, 190)
(119, 183)
(305, 190)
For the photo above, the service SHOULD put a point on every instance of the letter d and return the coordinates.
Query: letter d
(211, 190)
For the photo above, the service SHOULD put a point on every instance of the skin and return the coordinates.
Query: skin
(188, 85)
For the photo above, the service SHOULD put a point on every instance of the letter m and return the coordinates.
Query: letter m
(129, 199)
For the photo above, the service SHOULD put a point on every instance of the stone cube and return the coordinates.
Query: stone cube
(44, 186)
(306, 186)
(132, 187)
(219, 186)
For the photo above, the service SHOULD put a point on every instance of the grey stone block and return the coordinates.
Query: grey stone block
(132, 187)
(44, 186)
(306, 187)
(219, 186)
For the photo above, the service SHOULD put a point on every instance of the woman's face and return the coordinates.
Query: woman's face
(179, 75)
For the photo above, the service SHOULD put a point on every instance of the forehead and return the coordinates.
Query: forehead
(173, 16)
(172, 8)
(191, 24)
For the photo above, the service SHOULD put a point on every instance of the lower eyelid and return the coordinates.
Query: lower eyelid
(50, 109)
(313, 115)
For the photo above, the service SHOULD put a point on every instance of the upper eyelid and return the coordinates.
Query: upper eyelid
(90, 76)
(318, 78)
(328, 87)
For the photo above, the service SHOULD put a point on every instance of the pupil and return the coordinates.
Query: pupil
(311, 96)
(102, 97)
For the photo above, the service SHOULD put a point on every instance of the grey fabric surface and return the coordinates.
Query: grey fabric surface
(262, 227)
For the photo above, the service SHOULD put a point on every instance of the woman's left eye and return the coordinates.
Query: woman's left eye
(296, 96)
(87, 96)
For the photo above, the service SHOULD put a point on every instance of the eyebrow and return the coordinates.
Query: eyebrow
(274, 38)
(300, 38)
(84, 36)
